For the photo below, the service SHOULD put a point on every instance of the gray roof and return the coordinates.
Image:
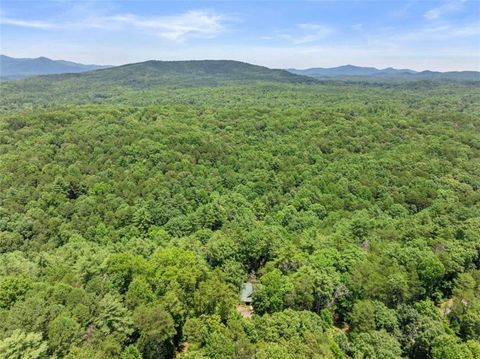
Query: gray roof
(246, 292)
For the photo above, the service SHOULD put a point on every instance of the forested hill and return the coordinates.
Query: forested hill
(171, 73)
(205, 72)
(136, 201)
(115, 82)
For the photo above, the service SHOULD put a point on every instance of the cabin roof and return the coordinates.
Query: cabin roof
(246, 292)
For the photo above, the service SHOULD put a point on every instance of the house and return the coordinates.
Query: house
(246, 293)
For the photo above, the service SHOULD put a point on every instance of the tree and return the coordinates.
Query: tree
(301, 289)
(269, 293)
(376, 345)
(420, 325)
(219, 345)
(63, 332)
(12, 289)
(362, 316)
(113, 317)
(214, 296)
(21, 345)
(156, 328)
(448, 347)
(139, 292)
(131, 352)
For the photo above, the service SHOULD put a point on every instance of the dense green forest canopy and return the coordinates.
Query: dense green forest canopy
(130, 217)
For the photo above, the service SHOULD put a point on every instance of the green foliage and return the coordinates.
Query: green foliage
(131, 352)
(363, 316)
(21, 345)
(214, 296)
(63, 332)
(113, 317)
(12, 289)
(156, 328)
(465, 309)
(448, 347)
(376, 345)
(133, 205)
(269, 295)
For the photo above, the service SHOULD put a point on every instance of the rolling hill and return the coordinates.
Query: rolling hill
(199, 72)
(15, 68)
(122, 82)
(107, 83)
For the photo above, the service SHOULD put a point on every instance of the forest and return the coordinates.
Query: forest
(131, 215)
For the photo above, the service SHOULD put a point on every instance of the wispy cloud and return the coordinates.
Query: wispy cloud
(175, 28)
(448, 7)
(26, 23)
(195, 23)
(303, 34)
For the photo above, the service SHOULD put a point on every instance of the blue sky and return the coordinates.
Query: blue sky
(437, 35)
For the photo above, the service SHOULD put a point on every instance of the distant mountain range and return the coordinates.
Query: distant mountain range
(206, 72)
(349, 70)
(193, 72)
(153, 73)
(103, 84)
(145, 74)
(14, 68)
(117, 82)
(358, 71)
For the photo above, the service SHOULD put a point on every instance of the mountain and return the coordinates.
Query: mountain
(14, 68)
(148, 74)
(114, 82)
(450, 75)
(350, 70)
(194, 72)
(372, 73)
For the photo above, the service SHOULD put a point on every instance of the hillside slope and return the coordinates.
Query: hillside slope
(185, 73)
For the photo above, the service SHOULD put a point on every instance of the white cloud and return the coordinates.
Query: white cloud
(26, 23)
(448, 7)
(176, 28)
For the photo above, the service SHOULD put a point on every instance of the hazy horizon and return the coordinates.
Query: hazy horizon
(208, 59)
(419, 35)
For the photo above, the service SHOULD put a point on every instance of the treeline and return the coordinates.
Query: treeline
(127, 229)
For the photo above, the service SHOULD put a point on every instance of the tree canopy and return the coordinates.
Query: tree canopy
(130, 217)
